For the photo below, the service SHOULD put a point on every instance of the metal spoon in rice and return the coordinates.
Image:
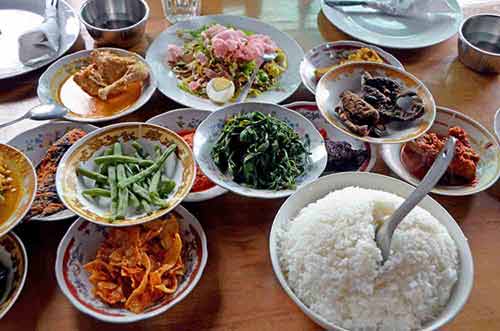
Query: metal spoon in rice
(386, 230)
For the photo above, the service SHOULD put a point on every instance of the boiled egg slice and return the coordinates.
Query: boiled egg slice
(220, 89)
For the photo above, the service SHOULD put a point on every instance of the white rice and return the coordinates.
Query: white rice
(332, 263)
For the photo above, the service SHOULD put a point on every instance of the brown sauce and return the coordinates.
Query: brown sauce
(84, 105)
(9, 205)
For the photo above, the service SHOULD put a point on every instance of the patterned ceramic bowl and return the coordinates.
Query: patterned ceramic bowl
(51, 80)
(35, 142)
(179, 166)
(348, 77)
(311, 112)
(80, 245)
(183, 120)
(13, 256)
(327, 55)
(482, 141)
(209, 130)
(14, 210)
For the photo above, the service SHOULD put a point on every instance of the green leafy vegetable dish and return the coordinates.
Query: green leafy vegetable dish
(215, 51)
(261, 152)
(135, 182)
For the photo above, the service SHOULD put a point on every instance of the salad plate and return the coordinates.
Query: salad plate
(391, 31)
(177, 38)
(19, 16)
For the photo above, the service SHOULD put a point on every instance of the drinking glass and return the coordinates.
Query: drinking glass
(181, 10)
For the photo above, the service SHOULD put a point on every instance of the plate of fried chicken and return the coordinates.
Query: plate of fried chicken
(98, 85)
(475, 165)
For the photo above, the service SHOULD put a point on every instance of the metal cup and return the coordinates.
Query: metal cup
(120, 23)
(479, 43)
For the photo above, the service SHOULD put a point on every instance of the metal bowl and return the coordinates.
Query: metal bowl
(479, 43)
(120, 23)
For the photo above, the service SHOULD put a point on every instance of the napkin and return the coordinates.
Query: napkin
(41, 43)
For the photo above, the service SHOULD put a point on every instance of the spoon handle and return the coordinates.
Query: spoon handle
(244, 93)
(437, 170)
(24, 116)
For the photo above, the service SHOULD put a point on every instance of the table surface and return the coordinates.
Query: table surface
(238, 290)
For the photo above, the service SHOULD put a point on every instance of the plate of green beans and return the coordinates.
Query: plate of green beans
(125, 174)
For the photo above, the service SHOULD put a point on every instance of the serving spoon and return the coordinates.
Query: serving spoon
(47, 111)
(265, 58)
(384, 233)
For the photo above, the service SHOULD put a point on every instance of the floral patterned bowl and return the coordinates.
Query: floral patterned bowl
(179, 166)
(12, 212)
(187, 119)
(209, 130)
(35, 143)
(80, 245)
(13, 256)
(311, 112)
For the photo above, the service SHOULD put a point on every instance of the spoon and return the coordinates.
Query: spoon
(47, 111)
(265, 58)
(386, 230)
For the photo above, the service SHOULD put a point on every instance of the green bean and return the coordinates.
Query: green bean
(122, 193)
(156, 200)
(117, 149)
(103, 168)
(114, 190)
(157, 149)
(121, 159)
(97, 192)
(138, 148)
(134, 201)
(91, 174)
(146, 206)
(155, 180)
(151, 169)
(141, 192)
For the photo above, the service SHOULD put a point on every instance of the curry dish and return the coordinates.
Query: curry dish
(110, 84)
(10, 191)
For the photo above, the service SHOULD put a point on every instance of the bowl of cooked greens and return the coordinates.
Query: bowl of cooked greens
(259, 150)
(126, 174)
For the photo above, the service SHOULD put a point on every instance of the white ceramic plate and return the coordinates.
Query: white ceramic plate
(390, 31)
(496, 123)
(19, 16)
(79, 246)
(318, 189)
(13, 256)
(348, 77)
(324, 56)
(168, 83)
(51, 80)
(310, 111)
(35, 143)
(483, 142)
(187, 119)
(209, 130)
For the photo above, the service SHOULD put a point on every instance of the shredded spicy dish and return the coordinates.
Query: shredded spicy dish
(201, 182)
(137, 266)
(219, 51)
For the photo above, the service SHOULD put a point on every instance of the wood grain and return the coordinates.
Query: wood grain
(238, 290)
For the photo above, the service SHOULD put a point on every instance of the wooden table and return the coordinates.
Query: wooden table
(238, 290)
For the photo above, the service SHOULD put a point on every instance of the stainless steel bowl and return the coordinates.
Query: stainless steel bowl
(120, 23)
(479, 43)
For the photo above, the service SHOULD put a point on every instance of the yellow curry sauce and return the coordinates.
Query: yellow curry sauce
(11, 190)
(84, 105)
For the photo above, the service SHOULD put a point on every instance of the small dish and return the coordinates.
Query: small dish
(51, 80)
(79, 246)
(13, 256)
(187, 119)
(24, 173)
(324, 56)
(120, 23)
(348, 77)
(180, 167)
(310, 111)
(209, 130)
(35, 143)
(321, 187)
(482, 141)
(168, 82)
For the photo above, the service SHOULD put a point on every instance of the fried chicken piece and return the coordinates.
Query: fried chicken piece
(465, 160)
(358, 115)
(46, 199)
(109, 74)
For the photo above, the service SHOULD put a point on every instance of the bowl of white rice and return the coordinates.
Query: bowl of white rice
(326, 259)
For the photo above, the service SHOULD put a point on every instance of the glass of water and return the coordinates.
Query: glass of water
(181, 10)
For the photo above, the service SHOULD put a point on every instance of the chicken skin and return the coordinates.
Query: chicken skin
(109, 74)
(464, 163)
